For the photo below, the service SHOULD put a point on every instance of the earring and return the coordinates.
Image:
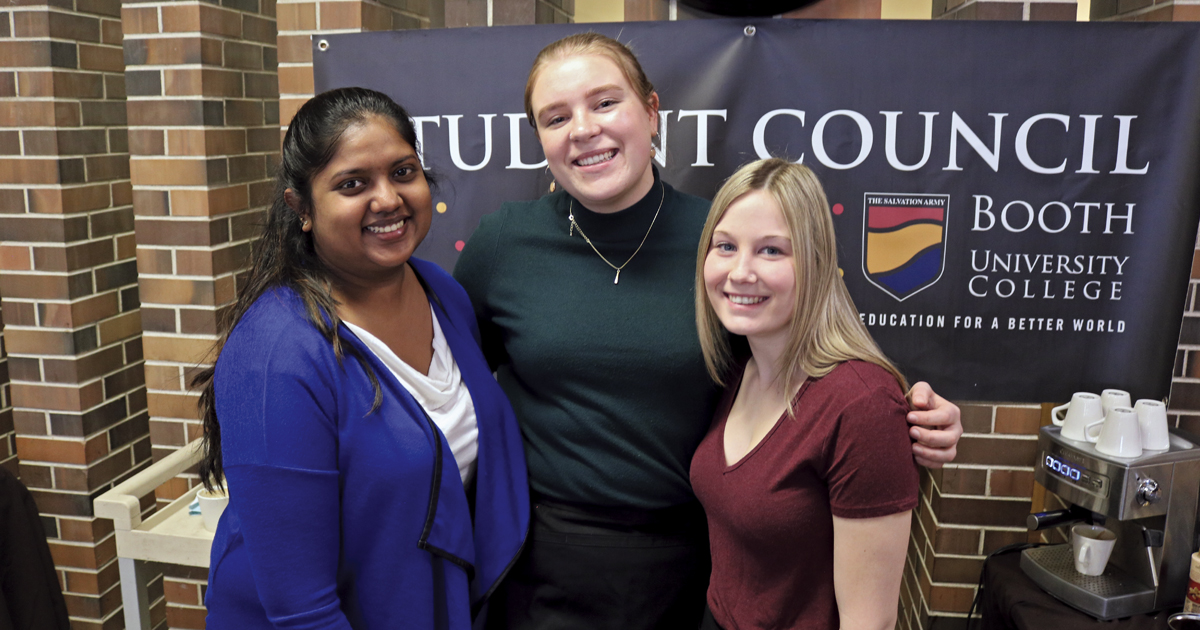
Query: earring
(304, 224)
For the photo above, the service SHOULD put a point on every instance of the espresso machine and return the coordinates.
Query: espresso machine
(1150, 502)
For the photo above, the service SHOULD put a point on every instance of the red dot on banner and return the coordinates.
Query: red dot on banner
(838, 209)
(459, 245)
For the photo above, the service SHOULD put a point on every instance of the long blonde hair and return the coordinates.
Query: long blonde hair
(825, 327)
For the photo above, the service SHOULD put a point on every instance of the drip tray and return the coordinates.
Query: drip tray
(1111, 595)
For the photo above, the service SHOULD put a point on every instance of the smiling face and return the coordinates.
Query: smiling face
(749, 273)
(595, 131)
(370, 206)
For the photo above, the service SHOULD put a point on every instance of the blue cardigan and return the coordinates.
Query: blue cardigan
(344, 518)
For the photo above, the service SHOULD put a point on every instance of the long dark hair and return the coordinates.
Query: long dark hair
(283, 255)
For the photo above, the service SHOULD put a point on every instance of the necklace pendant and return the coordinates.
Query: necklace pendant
(618, 278)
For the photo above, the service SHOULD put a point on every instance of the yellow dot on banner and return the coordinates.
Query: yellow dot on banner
(841, 272)
(441, 207)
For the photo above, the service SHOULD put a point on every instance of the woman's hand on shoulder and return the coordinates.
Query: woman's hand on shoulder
(938, 426)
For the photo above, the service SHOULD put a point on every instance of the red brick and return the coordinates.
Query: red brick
(1185, 13)
(300, 16)
(221, 21)
(258, 29)
(158, 172)
(1011, 483)
(956, 540)
(15, 257)
(186, 618)
(46, 450)
(139, 20)
(111, 32)
(24, 53)
(167, 433)
(36, 287)
(29, 171)
(102, 58)
(163, 377)
(340, 15)
(58, 398)
(206, 142)
(181, 406)
(186, 593)
(176, 349)
(147, 142)
(120, 328)
(180, 19)
(294, 49)
(951, 599)
(997, 451)
(963, 481)
(1053, 11)
(1018, 420)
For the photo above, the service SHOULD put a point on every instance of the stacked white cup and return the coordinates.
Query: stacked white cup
(1110, 420)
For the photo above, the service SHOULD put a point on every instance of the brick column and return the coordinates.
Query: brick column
(969, 509)
(68, 281)
(203, 119)
(300, 20)
(1018, 10)
(1146, 10)
(646, 10)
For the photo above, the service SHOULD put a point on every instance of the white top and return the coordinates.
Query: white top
(442, 394)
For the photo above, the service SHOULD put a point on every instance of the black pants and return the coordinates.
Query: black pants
(709, 623)
(589, 568)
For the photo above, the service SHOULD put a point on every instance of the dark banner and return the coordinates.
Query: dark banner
(1015, 202)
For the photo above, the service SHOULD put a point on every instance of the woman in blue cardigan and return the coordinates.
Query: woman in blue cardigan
(375, 468)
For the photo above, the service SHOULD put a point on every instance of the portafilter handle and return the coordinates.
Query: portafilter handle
(1058, 518)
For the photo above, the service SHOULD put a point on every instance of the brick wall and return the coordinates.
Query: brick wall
(300, 20)
(8, 433)
(203, 109)
(1146, 10)
(69, 283)
(970, 509)
(1028, 10)
(180, 189)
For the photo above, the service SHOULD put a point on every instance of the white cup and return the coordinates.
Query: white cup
(1115, 398)
(212, 504)
(1120, 433)
(1084, 409)
(1152, 416)
(1091, 545)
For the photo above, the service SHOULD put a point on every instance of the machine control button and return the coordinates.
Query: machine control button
(1147, 492)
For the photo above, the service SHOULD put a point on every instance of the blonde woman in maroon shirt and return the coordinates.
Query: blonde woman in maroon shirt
(806, 474)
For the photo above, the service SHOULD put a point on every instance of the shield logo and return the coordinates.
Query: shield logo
(904, 241)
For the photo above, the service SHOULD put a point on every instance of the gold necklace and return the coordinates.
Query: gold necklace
(575, 226)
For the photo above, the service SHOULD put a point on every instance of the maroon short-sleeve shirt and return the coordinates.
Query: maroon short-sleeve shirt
(846, 453)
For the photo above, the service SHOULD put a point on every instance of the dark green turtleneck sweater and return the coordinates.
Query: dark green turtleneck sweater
(607, 380)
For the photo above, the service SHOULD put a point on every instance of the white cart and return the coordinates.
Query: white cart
(170, 535)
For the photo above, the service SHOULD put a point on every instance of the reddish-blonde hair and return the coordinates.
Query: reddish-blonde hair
(590, 43)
